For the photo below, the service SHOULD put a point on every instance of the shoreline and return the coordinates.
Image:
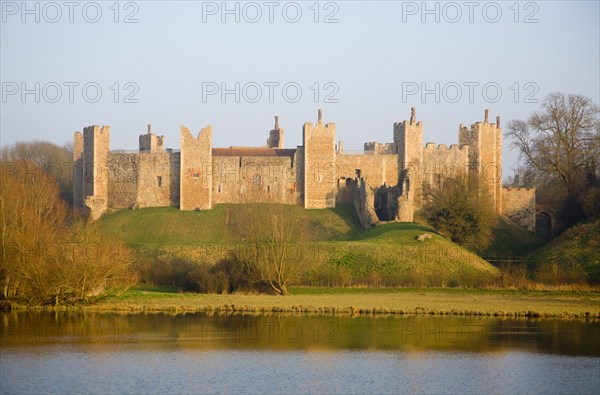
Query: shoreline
(355, 302)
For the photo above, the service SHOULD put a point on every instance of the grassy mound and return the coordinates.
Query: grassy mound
(510, 241)
(169, 226)
(574, 256)
(332, 249)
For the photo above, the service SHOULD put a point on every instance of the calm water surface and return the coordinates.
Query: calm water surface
(197, 353)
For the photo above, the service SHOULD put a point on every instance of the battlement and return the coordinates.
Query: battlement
(376, 148)
(429, 147)
(97, 130)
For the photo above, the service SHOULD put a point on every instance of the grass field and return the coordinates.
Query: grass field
(365, 301)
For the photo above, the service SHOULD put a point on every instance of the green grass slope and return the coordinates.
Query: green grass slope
(330, 238)
(169, 226)
(510, 240)
(573, 256)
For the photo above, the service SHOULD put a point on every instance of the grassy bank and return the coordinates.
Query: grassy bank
(362, 301)
(331, 248)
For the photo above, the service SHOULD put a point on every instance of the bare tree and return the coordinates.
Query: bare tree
(267, 234)
(561, 141)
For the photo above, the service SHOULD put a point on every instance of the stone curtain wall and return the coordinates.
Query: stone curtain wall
(123, 179)
(376, 169)
(156, 182)
(519, 206)
(262, 179)
(441, 162)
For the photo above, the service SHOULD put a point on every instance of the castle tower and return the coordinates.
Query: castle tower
(408, 144)
(319, 164)
(275, 139)
(90, 183)
(150, 142)
(196, 170)
(485, 156)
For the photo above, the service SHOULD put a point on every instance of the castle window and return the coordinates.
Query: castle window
(268, 189)
(159, 181)
(196, 175)
(219, 188)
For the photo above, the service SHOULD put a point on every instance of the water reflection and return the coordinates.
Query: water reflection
(96, 331)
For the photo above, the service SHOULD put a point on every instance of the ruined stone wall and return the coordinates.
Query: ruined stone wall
(364, 203)
(519, 206)
(376, 169)
(442, 162)
(320, 179)
(255, 179)
(196, 170)
(122, 179)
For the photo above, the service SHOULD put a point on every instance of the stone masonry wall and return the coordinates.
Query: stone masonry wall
(441, 162)
(123, 179)
(376, 169)
(320, 177)
(408, 139)
(262, 179)
(485, 158)
(196, 170)
(364, 203)
(519, 206)
(96, 145)
(155, 180)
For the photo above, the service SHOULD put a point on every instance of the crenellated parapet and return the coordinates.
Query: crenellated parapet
(375, 148)
(441, 162)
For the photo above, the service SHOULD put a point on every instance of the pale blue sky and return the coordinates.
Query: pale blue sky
(369, 54)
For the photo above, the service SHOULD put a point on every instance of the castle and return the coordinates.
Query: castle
(384, 182)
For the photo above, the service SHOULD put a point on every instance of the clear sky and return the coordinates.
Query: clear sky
(365, 68)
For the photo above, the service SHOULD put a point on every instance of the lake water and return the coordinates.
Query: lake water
(43, 352)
